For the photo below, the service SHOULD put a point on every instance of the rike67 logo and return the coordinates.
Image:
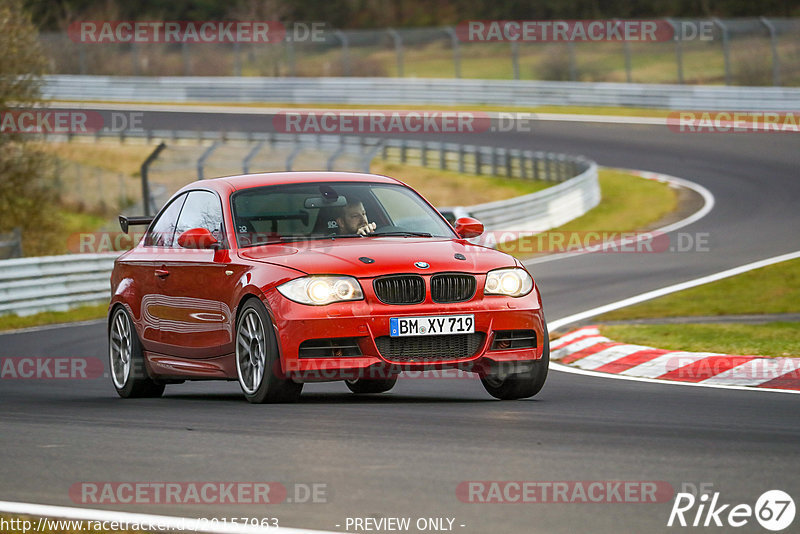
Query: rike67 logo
(774, 510)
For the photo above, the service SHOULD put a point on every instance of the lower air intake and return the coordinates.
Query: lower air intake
(429, 348)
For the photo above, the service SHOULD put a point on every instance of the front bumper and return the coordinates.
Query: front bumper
(364, 323)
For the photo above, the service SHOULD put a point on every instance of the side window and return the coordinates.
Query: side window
(162, 232)
(201, 210)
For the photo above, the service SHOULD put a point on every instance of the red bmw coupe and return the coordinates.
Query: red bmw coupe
(279, 279)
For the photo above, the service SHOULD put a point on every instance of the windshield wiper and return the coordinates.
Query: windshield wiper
(400, 233)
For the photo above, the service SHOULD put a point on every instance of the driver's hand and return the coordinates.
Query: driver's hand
(367, 228)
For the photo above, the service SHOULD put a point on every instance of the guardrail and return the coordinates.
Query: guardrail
(30, 285)
(417, 92)
(54, 283)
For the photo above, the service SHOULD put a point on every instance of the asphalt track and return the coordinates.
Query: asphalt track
(402, 454)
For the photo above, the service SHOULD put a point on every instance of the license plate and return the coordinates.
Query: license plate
(431, 326)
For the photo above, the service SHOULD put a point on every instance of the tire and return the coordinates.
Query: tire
(126, 359)
(369, 385)
(521, 385)
(257, 358)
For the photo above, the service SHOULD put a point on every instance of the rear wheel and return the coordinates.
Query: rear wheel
(521, 385)
(370, 385)
(257, 360)
(126, 359)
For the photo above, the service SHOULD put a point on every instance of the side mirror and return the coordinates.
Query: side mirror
(197, 238)
(468, 227)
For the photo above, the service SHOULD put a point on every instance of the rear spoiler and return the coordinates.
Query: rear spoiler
(125, 222)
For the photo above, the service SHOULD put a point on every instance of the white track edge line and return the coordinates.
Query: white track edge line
(53, 326)
(175, 523)
(708, 204)
(564, 321)
(636, 299)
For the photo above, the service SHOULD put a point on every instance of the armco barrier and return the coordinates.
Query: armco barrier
(415, 91)
(31, 285)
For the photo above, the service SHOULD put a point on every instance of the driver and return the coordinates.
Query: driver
(352, 218)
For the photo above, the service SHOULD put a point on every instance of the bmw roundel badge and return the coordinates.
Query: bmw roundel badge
(421, 264)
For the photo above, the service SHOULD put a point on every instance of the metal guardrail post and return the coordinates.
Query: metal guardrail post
(726, 53)
(202, 160)
(82, 58)
(515, 58)
(626, 46)
(677, 36)
(146, 200)
(442, 157)
(494, 161)
(423, 154)
(398, 49)
(370, 155)
(290, 55)
(13, 244)
(186, 59)
(237, 58)
(336, 153)
(345, 51)
(456, 50)
(626, 50)
(461, 166)
(135, 58)
(573, 68)
(548, 167)
(773, 40)
(293, 155)
(250, 155)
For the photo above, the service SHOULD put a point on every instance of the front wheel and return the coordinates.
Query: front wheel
(521, 385)
(126, 359)
(257, 360)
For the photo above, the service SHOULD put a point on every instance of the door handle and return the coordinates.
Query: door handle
(162, 273)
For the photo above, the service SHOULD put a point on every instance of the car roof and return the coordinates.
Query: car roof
(245, 181)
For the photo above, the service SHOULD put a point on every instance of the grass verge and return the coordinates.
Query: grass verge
(619, 211)
(771, 289)
(81, 313)
(770, 339)
(450, 188)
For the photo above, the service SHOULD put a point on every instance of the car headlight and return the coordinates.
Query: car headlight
(321, 290)
(512, 282)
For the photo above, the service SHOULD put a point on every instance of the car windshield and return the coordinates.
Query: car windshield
(283, 213)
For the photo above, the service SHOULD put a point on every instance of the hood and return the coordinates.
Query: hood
(392, 255)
